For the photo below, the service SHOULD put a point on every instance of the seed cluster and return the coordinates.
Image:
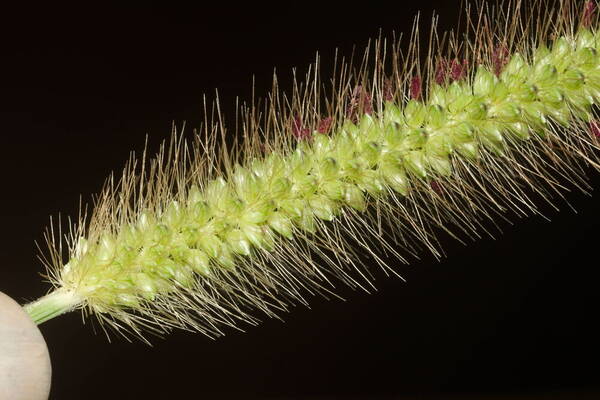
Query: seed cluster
(245, 240)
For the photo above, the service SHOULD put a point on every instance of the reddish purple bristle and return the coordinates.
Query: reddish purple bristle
(588, 13)
(458, 70)
(436, 187)
(595, 129)
(441, 72)
(361, 100)
(415, 87)
(324, 125)
(298, 130)
(367, 103)
(388, 94)
(500, 58)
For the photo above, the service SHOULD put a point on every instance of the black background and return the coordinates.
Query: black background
(82, 86)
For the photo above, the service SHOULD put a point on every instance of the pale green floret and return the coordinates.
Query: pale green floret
(277, 197)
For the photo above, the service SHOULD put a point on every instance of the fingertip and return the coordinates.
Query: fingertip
(25, 368)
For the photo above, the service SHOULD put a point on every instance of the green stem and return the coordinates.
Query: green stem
(52, 305)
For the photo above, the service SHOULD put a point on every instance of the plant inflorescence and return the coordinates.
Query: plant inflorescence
(376, 162)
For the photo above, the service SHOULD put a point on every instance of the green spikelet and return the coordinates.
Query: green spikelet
(202, 241)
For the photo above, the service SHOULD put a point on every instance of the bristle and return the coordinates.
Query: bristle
(378, 162)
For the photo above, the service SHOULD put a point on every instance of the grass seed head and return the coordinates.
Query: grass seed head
(375, 162)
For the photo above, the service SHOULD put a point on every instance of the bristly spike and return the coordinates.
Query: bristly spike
(375, 163)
